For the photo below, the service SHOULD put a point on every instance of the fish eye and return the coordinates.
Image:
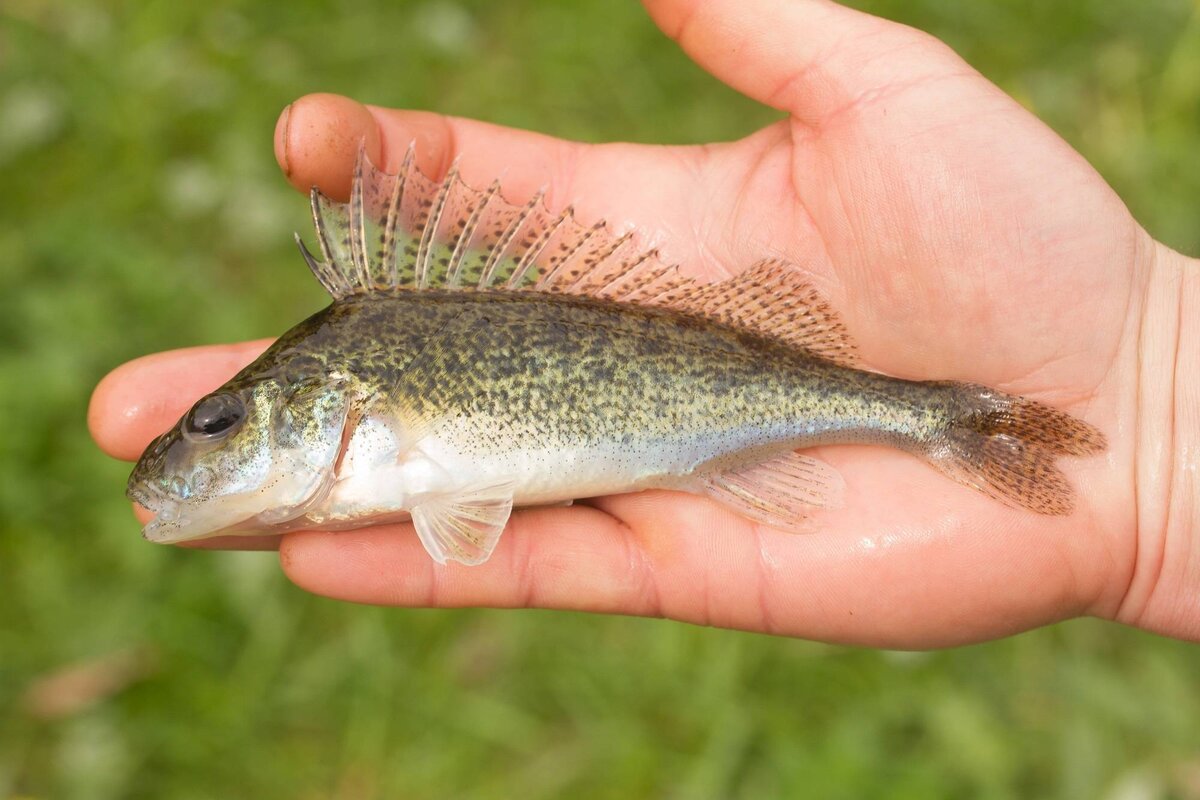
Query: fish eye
(214, 416)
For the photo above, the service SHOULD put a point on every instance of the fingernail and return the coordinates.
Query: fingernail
(281, 141)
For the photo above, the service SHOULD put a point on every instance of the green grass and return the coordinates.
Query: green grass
(142, 209)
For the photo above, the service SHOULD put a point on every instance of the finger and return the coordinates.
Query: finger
(810, 58)
(317, 139)
(318, 136)
(573, 558)
(578, 558)
(918, 577)
(252, 542)
(140, 399)
(662, 190)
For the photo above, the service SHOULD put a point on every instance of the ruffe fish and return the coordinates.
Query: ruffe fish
(480, 356)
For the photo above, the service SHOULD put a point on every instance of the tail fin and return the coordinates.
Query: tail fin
(1006, 446)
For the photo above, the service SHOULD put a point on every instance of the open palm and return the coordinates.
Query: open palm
(959, 238)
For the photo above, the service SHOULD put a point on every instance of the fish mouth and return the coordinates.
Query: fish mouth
(177, 520)
(146, 497)
(167, 524)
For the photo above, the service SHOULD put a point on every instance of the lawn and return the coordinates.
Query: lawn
(142, 209)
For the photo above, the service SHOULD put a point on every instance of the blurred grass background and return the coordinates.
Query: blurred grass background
(142, 209)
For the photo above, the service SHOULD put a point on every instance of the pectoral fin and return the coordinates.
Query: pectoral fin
(781, 492)
(464, 527)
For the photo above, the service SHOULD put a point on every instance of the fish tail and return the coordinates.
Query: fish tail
(1007, 447)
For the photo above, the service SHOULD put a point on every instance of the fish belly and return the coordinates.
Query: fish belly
(547, 474)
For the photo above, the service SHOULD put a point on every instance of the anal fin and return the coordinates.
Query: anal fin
(781, 492)
(464, 527)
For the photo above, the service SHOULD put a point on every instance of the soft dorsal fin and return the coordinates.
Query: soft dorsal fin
(406, 232)
(773, 299)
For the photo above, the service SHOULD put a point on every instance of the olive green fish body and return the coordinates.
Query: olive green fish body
(630, 396)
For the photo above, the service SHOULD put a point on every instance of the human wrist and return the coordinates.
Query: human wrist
(1164, 594)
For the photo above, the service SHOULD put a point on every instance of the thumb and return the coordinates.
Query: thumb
(810, 58)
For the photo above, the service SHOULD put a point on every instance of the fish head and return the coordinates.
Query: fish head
(250, 456)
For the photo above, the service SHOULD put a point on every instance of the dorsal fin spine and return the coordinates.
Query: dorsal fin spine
(425, 251)
(336, 283)
(552, 273)
(319, 268)
(314, 196)
(358, 229)
(393, 217)
(535, 248)
(615, 276)
(612, 288)
(624, 273)
(497, 254)
(468, 232)
(649, 283)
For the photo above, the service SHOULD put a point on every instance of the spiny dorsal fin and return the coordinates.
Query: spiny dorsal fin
(406, 232)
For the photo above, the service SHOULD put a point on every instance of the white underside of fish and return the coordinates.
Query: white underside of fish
(459, 496)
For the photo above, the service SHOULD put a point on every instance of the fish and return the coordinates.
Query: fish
(480, 356)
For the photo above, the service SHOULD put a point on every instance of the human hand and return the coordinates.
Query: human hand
(958, 237)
